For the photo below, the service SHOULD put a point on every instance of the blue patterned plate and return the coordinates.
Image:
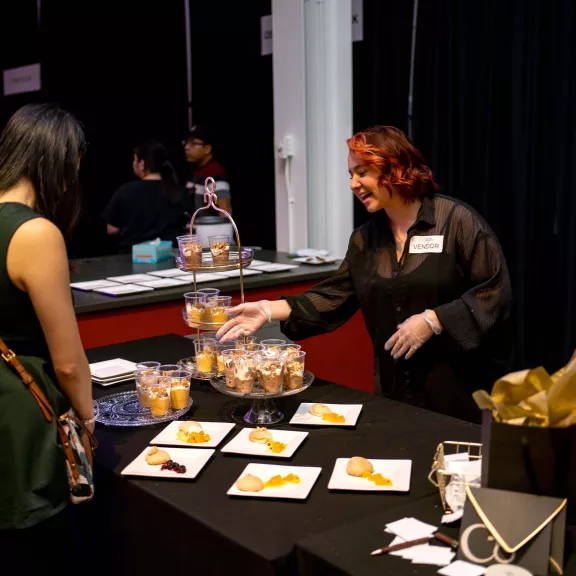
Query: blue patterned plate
(123, 409)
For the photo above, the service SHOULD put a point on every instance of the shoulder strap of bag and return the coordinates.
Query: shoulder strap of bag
(12, 360)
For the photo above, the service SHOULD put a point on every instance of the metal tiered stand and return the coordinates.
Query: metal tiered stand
(263, 410)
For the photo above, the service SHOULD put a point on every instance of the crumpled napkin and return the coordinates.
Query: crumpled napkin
(533, 398)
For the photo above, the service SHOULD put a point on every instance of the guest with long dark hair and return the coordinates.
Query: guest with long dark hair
(40, 152)
(154, 206)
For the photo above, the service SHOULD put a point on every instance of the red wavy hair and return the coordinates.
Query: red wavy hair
(400, 164)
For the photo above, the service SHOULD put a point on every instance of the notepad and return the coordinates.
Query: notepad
(410, 529)
(462, 568)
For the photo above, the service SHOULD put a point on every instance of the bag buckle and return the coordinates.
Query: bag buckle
(9, 356)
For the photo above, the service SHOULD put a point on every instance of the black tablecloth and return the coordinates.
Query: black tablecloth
(147, 525)
(345, 551)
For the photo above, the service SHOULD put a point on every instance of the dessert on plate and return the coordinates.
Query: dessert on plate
(363, 468)
(156, 457)
(322, 411)
(260, 435)
(357, 466)
(249, 483)
(192, 432)
(319, 410)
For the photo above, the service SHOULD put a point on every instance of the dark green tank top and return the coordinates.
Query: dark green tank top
(19, 325)
(33, 484)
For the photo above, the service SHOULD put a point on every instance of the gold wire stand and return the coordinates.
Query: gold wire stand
(237, 259)
(440, 477)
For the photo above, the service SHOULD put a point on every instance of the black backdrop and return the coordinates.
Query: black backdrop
(494, 114)
(121, 69)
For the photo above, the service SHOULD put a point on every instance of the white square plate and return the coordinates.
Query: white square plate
(307, 474)
(170, 273)
(275, 267)
(241, 445)
(303, 417)
(123, 289)
(163, 283)
(217, 431)
(397, 470)
(112, 368)
(93, 285)
(260, 262)
(193, 459)
(314, 261)
(113, 381)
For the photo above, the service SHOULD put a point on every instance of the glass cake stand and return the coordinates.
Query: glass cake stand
(123, 409)
(263, 410)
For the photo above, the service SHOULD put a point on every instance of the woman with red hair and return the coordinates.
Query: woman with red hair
(428, 274)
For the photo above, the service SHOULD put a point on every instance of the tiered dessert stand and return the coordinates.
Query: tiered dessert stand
(263, 410)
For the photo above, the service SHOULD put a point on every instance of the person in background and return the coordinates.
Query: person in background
(200, 154)
(40, 152)
(426, 271)
(154, 206)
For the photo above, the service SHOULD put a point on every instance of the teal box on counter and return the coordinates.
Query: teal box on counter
(151, 252)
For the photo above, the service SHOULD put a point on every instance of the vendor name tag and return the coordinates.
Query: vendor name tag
(426, 244)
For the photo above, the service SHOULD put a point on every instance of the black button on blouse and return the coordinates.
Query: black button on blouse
(466, 284)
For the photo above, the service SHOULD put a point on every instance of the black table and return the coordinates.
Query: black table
(122, 265)
(144, 526)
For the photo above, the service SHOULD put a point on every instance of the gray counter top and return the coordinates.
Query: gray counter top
(120, 265)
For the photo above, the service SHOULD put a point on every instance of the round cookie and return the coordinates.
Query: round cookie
(357, 466)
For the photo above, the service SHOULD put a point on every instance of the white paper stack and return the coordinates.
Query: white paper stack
(408, 529)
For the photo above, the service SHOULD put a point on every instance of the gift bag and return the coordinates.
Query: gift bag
(529, 434)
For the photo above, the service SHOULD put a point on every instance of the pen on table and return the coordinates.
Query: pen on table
(410, 543)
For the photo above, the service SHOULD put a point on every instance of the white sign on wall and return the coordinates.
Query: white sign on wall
(22, 79)
(266, 35)
(357, 20)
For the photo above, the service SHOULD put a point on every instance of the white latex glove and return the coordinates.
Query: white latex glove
(411, 334)
(248, 318)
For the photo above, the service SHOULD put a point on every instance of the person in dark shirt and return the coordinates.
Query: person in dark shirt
(154, 206)
(426, 271)
(200, 154)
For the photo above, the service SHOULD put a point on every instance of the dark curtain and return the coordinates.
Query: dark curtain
(494, 114)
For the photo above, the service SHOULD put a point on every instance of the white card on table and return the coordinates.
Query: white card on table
(112, 368)
(93, 285)
(124, 289)
(398, 471)
(217, 431)
(170, 273)
(236, 273)
(462, 568)
(426, 244)
(351, 412)
(163, 283)
(411, 529)
(273, 267)
(317, 260)
(189, 278)
(193, 459)
(307, 474)
(241, 444)
(131, 278)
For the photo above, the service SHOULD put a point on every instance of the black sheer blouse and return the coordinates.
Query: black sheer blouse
(466, 284)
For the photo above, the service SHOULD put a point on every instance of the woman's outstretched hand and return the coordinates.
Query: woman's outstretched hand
(248, 318)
